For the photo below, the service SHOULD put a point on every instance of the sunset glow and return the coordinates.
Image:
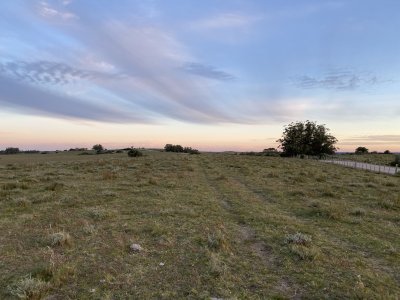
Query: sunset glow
(214, 75)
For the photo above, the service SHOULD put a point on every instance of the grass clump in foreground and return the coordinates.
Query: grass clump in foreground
(211, 225)
(28, 288)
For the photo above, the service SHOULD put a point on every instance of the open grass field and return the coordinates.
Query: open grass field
(378, 159)
(209, 225)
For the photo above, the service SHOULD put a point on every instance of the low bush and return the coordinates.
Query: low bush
(180, 149)
(134, 153)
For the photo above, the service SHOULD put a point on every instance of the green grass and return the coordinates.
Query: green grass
(210, 225)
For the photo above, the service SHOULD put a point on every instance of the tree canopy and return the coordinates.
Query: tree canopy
(361, 150)
(98, 147)
(307, 138)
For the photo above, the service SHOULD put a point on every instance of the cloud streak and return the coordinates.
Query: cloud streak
(338, 80)
(39, 101)
(48, 11)
(207, 71)
(47, 72)
(226, 21)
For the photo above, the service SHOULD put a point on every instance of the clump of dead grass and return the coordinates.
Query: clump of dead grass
(29, 287)
(61, 238)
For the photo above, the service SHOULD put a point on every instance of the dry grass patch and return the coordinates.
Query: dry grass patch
(29, 288)
(213, 225)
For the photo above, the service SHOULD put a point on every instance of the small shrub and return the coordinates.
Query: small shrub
(60, 239)
(98, 213)
(88, 228)
(298, 239)
(134, 153)
(29, 288)
(216, 241)
(300, 245)
(304, 253)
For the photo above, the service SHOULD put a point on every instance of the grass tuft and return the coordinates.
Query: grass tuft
(29, 288)
(298, 239)
(61, 238)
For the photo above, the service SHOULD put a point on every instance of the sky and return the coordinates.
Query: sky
(212, 74)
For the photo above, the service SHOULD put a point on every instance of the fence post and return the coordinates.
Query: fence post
(395, 172)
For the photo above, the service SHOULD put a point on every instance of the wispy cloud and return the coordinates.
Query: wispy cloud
(30, 99)
(226, 21)
(47, 72)
(338, 80)
(150, 77)
(376, 139)
(48, 11)
(207, 71)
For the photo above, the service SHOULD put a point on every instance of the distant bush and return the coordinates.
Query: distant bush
(387, 152)
(98, 148)
(11, 150)
(180, 149)
(77, 149)
(173, 148)
(361, 150)
(31, 151)
(134, 153)
(190, 150)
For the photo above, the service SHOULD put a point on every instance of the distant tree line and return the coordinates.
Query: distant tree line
(180, 149)
(11, 150)
(363, 150)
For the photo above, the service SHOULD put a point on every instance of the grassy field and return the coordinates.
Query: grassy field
(209, 225)
(378, 159)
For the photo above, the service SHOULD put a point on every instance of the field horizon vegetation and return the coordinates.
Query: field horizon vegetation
(216, 225)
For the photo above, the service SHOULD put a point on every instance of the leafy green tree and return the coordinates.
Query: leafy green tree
(361, 150)
(306, 138)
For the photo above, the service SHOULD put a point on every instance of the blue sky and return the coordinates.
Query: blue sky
(217, 75)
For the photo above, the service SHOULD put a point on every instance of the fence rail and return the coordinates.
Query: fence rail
(364, 166)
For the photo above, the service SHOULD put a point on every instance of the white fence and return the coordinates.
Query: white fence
(364, 166)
